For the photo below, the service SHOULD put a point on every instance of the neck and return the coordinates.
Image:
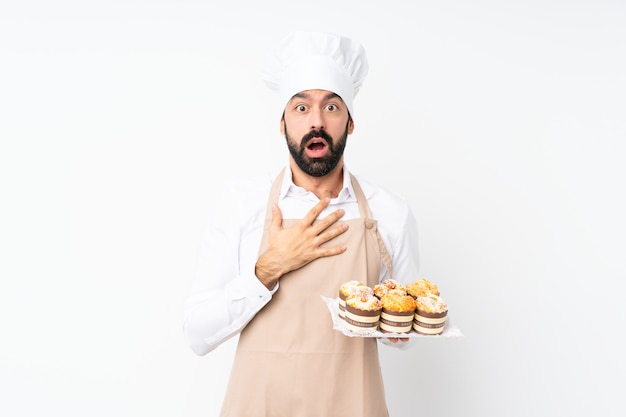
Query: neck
(327, 186)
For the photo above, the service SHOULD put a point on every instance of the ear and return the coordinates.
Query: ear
(350, 126)
(282, 124)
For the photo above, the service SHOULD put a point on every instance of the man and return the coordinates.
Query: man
(275, 245)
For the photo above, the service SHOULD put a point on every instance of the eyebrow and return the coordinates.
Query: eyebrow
(304, 94)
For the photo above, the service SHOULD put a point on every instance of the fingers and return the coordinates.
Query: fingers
(308, 236)
(395, 339)
(314, 213)
(316, 210)
(329, 251)
(331, 233)
(326, 222)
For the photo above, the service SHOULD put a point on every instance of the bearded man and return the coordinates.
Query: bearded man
(275, 245)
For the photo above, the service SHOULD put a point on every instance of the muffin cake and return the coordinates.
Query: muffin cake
(397, 314)
(349, 289)
(430, 315)
(362, 313)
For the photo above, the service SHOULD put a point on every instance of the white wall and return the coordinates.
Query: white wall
(502, 122)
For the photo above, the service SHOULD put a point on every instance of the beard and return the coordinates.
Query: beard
(317, 167)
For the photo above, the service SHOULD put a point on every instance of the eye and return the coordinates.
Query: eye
(300, 108)
(331, 107)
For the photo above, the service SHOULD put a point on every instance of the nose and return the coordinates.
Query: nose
(317, 119)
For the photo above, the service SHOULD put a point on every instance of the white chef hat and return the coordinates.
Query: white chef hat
(316, 61)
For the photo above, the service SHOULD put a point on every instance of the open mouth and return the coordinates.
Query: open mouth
(316, 148)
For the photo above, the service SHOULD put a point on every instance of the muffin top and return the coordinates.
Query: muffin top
(399, 303)
(364, 302)
(349, 287)
(431, 304)
(389, 286)
(422, 288)
(354, 287)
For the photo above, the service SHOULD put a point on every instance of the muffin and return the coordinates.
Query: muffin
(362, 313)
(349, 289)
(389, 286)
(431, 313)
(421, 288)
(397, 314)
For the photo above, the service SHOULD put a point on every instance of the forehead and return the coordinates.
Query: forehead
(322, 95)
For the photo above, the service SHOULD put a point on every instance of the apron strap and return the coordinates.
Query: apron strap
(364, 208)
(274, 193)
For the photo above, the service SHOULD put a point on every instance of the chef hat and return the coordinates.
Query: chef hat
(316, 61)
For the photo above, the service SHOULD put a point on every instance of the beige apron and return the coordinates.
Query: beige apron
(289, 361)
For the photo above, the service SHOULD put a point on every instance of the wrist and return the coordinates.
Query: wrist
(267, 273)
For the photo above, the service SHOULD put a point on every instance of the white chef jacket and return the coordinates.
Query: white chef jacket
(225, 293)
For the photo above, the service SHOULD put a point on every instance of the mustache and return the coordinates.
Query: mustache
(316, 134)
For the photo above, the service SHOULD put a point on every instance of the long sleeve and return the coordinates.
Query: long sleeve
(225, 294)
(405, 247)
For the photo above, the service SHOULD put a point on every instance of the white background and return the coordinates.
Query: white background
(502, 122)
